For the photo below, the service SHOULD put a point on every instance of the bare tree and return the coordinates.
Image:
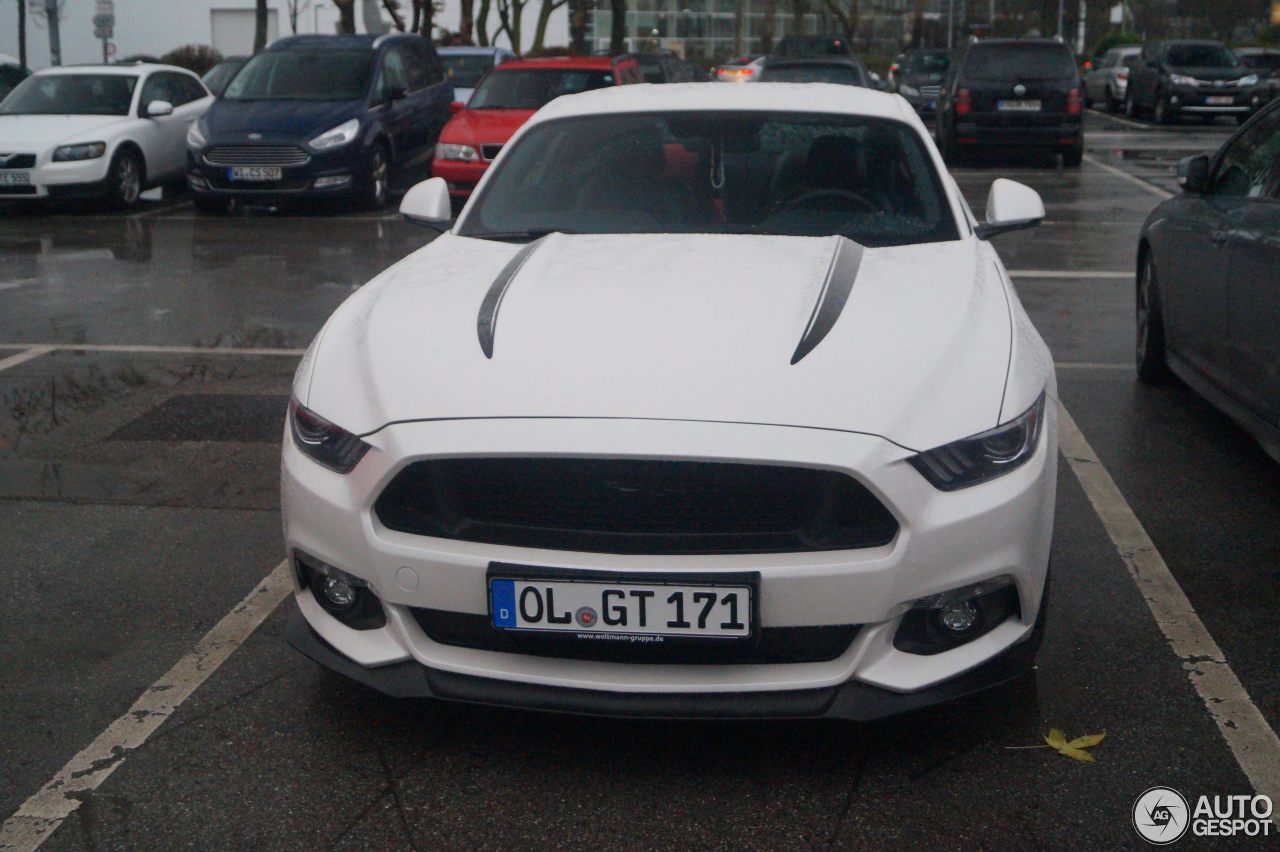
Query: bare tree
(510, 16)
(846, 14)
(482, 24)
(294, 9)
(767, 25)
(466, 19)
(22, 33)
(544, 15)
(346, 15)
(260, 26)
(578, 26)
(618, 27)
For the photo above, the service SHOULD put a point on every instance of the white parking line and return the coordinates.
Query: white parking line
(1118, 120)
(1091, 365)
(1068, 273)
(114, 347)
(24, 357)
(41, 814)
(1251, 740)
(1123, 175)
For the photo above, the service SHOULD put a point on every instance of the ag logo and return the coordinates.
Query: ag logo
(586, 616)
(1161, 815)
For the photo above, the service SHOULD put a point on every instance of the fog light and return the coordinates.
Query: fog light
(332, 181)
(348, 599)
(338, 591)
(959, 617)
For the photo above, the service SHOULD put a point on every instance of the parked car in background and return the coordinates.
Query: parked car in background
(1007, 94)
(919, 76)
(506, 98)
(465, 65)
(321, 117)
(217, 77)
(845, 71)
(744, 69)
(97, 131)
(1265, 62)
(1170, 79)
(666, 66)
(1107, 81)
(801, 46)
(11, 74)
(1208, 292)
(582, 453)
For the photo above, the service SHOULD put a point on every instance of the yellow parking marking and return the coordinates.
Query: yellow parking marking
(1252, 741)
(41, 814)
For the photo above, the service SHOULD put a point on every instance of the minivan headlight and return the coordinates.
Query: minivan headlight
(337, 137)
(985, 456)
(325, 442)
(1251, 80)
(195, 134)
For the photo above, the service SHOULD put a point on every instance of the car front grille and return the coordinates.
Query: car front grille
(930, 91)
(490, 151)
(635, 506)
(17, 161)
(256, 155)
(772, 645)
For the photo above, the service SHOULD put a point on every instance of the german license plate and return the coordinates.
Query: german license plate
(15, 178)
(1018, 106)
(604, 606)
(254, 173)
(1220, 100)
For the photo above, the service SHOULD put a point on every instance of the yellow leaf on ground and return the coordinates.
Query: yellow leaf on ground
(1088, 741)
(1056, 739)
(1078, 754)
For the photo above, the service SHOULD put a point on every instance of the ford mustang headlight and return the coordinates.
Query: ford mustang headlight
(985, 456)
(87, 151)
(1182, 80)
(337, 137)
(325, 442)
(195, 134)
(466, 153)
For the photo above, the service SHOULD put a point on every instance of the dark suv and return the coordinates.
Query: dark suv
(1012, 94)
(1172, 78)
(321, 116)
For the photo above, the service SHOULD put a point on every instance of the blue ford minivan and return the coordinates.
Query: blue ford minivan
(320, 116)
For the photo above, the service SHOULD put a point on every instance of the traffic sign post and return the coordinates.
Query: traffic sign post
(104, 22)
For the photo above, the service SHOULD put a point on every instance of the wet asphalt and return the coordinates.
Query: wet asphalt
(139, 503)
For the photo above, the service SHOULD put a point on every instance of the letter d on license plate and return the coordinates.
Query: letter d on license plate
(647, 608)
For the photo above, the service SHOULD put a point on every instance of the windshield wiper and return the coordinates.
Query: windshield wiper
(519, 236)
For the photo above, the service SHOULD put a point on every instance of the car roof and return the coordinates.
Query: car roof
(569, 63)
(349, 41)
(1005, 42)
(111, 69)
(687, 97)
(470, 50)
(779, 61)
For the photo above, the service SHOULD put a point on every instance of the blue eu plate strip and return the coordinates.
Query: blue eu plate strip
(502, 602)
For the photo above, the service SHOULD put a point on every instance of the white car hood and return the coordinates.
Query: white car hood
(31, 134)
(688, 327)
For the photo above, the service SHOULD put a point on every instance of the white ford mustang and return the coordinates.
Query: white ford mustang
(715, 401)
(97, 131)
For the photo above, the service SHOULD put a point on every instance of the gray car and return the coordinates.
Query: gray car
(1208, 291)
(1105, 83)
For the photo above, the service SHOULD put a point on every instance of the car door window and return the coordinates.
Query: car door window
(190, 89)
(422, 65)
(391, 74)
(159, 87)
(1246, 167)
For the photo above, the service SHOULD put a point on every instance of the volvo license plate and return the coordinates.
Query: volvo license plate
(15, 178)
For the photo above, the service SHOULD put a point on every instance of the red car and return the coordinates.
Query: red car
(505, 99)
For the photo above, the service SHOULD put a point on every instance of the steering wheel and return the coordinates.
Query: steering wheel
(806, 198)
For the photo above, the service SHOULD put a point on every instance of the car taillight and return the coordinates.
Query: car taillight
(893, 69)
(1073, 102)
(1122, 74)
(964, 102)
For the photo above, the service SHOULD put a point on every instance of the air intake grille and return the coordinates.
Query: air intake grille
(635, 506)
(17, 161)
(256, 155)
(490, 151)
(930, 91)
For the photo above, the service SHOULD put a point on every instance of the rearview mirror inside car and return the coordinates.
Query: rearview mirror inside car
(156, 109)
(1193, 173)
(427, 203)
(1011, 206)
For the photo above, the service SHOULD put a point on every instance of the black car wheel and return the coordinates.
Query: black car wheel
(377, 180)
(1152, 366)
(124, 179)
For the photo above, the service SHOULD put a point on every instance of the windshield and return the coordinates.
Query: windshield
(844, 74)
(220, 75)
(303, 75)
(718, 172)
(1020, 62)
(926, 63)
(1200, 56)
(466, 70)
(530, 89)
(1262, 61)
(71, 94)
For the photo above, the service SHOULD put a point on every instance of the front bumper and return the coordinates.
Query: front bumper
(1212, 101)
(329, 174)
(461, 175)
(48, 180)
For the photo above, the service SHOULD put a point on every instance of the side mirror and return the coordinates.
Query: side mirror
(156, 109)
(396, 93)
(1011, 206)
(457, 107)
(427, 203)
(1193, 173)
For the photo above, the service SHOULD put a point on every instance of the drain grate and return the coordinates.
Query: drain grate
(210, 417)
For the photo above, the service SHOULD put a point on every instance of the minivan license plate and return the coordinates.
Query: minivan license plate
(595, 607)
(254, 173)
